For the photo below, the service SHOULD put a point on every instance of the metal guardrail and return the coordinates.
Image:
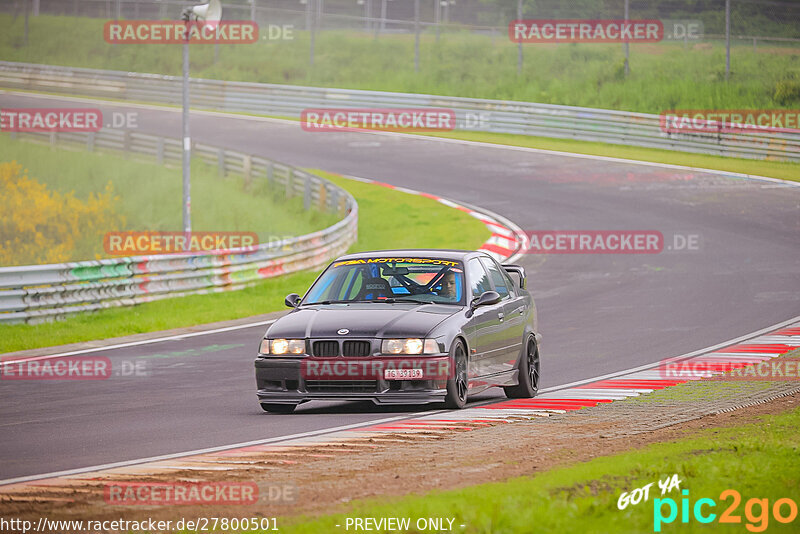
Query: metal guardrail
(36, 293)
(543, 120)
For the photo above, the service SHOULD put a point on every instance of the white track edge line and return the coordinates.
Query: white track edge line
(128, 463)
(676, 358)
(372, 423)
(142, 342)
(175, 109)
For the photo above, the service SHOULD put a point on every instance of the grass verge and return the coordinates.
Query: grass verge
(150, 196)
(783, 170)
(662, 75)
(756, 460)
(387, 219)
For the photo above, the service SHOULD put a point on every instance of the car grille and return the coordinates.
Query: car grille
(356, 348)
(326, 348)
(350, 348)
(341, 386)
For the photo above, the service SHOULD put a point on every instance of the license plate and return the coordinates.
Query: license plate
(402, 374)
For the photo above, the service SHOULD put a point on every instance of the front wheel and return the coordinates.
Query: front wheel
(528, 374)
(278, 408)
(456, 397)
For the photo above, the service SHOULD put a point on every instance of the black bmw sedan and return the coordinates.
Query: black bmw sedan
(403, 327)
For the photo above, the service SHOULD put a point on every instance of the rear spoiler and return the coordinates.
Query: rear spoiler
(519, 270)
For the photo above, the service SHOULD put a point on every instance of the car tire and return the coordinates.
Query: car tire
(529, 374)
(457, 386)
(278, 408)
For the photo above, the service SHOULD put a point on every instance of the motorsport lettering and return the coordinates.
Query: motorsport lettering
(395, 260)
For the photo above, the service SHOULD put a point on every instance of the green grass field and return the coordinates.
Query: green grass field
(663, 75)
(387, 219)
(757, 460)
(151, 195)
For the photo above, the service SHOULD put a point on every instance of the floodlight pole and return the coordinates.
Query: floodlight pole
(416, 35)
(727, 39)
(627, 45)
(311, 27)
(187, 140)
(437, 16)
(519, 44)
(27, 9)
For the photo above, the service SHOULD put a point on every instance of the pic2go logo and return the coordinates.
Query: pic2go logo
(756, 511)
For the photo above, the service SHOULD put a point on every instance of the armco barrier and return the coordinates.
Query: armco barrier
(36, 293)
(545, 120)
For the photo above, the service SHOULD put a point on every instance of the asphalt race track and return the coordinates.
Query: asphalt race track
(599, 313)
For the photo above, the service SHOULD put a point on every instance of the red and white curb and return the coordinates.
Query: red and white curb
(631, 384)
(507, 241)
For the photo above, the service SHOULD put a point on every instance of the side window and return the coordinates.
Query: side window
(501, 283)
(478, 280)
(509, 282)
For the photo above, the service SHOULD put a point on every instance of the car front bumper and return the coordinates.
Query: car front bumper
(297, 380)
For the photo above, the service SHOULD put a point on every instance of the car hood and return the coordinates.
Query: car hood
(362, 320)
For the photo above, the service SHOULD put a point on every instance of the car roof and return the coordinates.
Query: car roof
(445, 254)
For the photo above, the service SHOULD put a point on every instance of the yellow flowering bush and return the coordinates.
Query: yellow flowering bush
(42, 226)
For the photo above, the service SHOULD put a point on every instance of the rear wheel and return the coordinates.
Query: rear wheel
(457, 385)
(278, 408)
(528, 374)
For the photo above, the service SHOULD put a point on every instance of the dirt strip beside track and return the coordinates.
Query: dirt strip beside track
(328, 476)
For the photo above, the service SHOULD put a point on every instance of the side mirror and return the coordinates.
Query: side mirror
(292, 300)
(519, 271)
(486, 298)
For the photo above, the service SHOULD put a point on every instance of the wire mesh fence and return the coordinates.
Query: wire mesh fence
(763, 20)
(471, 48)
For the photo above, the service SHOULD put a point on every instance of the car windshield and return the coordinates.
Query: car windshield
(414, 280)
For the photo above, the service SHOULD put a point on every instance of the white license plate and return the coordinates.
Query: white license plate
(402, 374)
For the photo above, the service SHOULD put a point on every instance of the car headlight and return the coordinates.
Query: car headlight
(409, 346)
(283, 346)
